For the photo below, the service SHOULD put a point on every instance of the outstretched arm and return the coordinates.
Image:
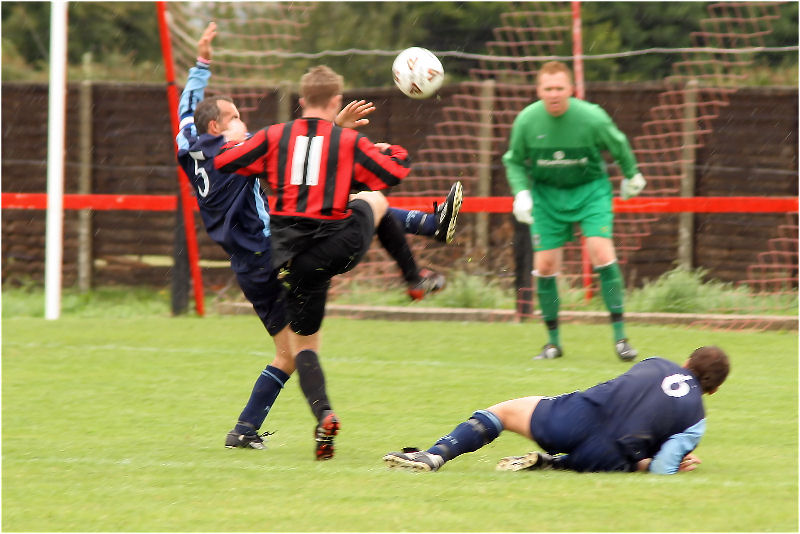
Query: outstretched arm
(195, 87)
(204, 44)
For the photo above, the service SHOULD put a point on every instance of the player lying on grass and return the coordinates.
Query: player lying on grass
(648, 419)
(235, 213)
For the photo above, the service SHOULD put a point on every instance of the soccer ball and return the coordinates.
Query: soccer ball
(417, 72)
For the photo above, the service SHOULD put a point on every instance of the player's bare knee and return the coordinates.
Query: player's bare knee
(547, 262)
(515, 414)
(377, 202)
(601, 251)
(284, 355)
(284, 359)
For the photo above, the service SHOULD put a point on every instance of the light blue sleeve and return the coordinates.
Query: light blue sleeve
(668, 459)
(192, 94)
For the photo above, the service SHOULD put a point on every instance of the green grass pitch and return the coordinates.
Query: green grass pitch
(117, 424)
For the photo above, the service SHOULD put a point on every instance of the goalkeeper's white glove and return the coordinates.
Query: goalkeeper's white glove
(631, 187)
(523, 207)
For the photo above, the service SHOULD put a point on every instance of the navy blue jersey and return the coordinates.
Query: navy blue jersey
(233, 207)
(654, 402)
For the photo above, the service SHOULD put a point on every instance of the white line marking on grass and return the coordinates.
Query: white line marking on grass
(217, 351)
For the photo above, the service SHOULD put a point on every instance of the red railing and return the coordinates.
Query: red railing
(38, 201)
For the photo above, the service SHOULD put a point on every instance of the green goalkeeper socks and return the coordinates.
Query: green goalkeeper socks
(547, 290)
(613, 290)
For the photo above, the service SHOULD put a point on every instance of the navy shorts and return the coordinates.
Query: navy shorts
(573, 425)
(266, 293)
(309, 274)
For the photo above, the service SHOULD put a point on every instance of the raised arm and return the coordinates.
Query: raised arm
(353, 115)
(194, 89)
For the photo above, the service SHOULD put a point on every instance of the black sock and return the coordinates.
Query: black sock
(312, 382)
(393, 239)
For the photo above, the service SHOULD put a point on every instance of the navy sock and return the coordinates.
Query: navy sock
(480, 429)
(414, 221)
(266, 389)
(312, 382)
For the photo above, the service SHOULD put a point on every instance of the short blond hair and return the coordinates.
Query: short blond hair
(554, 67)
(319, 85)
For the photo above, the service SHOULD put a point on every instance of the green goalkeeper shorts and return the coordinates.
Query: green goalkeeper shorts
(557, 210)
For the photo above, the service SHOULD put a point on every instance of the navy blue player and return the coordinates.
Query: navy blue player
(235, 213)
(650, 418)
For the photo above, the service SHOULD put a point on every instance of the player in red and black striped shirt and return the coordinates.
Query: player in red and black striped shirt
(319, 227)
(312, 166)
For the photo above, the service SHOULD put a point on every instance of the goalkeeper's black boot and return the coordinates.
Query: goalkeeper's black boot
(413, 459)
(625, 352)
(531, 461)
(447, 213)
(549, 352)
(324, 432)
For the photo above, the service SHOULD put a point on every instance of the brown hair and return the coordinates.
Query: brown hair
(319, 85)
(710, 365)
(206, 111)
(554, 67)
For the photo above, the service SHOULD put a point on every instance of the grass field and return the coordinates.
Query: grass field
(117, 424)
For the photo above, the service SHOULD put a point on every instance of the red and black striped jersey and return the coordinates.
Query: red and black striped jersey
(312, 166)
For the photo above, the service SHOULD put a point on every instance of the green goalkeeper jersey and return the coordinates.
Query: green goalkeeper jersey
(564, 151)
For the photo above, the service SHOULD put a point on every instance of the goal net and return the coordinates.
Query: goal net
(471, 131)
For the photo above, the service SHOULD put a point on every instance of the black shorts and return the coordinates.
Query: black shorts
(573, 425)
(308, 274)
(265, 292)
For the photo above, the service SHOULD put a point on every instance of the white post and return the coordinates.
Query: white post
(56, 113)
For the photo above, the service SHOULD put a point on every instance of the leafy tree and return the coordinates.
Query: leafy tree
(26, 28)
(123, 37)
(626, 26)
(109, 28)
(622, 26)
(118, 34)
(462, 26)
(373, 25)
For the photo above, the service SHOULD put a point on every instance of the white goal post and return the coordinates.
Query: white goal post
(56, 113)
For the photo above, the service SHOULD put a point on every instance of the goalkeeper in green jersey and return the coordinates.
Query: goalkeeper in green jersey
(558, 177)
